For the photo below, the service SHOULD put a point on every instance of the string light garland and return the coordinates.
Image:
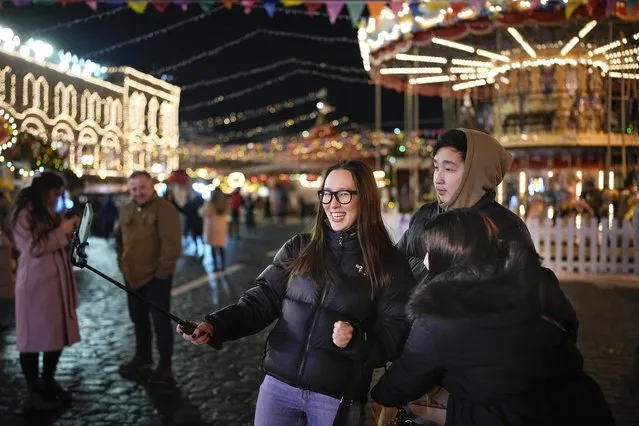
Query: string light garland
(269, 67)
(248, 36)
(70, 24)
(153, 34)
(261, 130)
(239, 93)
(270, 82)
(255, 112)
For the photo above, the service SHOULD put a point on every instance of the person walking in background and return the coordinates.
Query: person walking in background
(249, 212)
(193, 225)
(281, 202)
(109, 215)
(237, 202)
(216, 227)
(148, 246)
(44, 276)
(268, 215)
(337, 296)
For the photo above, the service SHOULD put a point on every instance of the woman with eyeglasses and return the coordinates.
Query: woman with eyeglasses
(337, 296)
(46, 293)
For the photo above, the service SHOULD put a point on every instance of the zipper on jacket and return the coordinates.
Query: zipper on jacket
(341, 239)
(310, 331)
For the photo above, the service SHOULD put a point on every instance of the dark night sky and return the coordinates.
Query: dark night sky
(352, 99)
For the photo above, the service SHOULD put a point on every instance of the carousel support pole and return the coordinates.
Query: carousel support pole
(609, 114)
(624, 164)
(416, 112)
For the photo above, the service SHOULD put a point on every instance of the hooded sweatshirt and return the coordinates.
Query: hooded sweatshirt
(487, 162)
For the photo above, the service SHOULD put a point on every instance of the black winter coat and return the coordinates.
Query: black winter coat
(511, 229)
(300, 349)
(478, 335)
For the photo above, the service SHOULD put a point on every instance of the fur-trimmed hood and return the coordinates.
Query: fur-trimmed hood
(463, 292)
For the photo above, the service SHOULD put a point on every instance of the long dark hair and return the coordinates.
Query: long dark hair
(219, 202)
(35, 198)
(463, 237)
(371, 232)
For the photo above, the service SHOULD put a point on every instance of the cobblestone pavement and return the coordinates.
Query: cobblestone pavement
(220, 387)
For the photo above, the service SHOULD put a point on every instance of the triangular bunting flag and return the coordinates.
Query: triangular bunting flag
(227, 4)
(205, 5)
(436, 6)
(534, 6)
(269, 6)
(160, 5)
(414, 9)
(312, 8)
(137, 6)
(93, 4)
(248, 5)
(611, 6)
(375, 8)
(291, 3)
(355, 10)
(20, 3)
(182, 4)
(396, 6)
(334, 8)
(457, 7)
(571, 6)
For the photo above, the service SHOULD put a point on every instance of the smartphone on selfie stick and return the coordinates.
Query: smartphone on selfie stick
(79, 259)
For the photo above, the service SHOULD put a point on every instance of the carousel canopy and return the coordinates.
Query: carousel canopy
(440, 48)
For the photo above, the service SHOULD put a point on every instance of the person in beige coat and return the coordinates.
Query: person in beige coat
(216, 227)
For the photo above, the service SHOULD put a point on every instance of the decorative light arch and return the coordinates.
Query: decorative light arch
(34, 126)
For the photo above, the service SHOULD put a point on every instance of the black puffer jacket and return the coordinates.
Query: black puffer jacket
(511, 229)
(300, 349)
(477, 334)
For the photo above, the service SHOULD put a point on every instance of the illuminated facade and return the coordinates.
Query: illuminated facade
(110, 121)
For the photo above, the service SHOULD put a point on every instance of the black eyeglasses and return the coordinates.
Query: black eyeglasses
(344, 196)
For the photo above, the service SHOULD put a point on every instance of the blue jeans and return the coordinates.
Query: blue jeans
(279, 404)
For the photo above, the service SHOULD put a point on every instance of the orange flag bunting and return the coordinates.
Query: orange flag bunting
(137, 6)
(228, 3)
(375, 8)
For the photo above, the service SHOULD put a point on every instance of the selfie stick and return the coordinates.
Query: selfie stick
(79, 259)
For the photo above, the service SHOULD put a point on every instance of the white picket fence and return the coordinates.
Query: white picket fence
(585, 246)
(572, 245)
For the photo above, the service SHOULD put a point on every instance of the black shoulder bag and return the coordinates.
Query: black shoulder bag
(346, 402)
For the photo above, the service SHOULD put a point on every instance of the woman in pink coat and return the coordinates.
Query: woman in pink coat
(46, 295)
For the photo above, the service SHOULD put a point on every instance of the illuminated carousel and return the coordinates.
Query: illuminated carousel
(555, 81)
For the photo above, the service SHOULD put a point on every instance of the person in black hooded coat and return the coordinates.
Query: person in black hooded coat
(477, 334)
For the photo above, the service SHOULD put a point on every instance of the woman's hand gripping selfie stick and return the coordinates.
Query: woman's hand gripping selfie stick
(79, 259)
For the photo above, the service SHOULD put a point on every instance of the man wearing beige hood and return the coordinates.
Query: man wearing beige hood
(469, 165)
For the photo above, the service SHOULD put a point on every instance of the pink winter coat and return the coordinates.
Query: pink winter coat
(46, 294)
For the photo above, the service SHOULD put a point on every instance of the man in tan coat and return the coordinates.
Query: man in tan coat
(148, 246)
